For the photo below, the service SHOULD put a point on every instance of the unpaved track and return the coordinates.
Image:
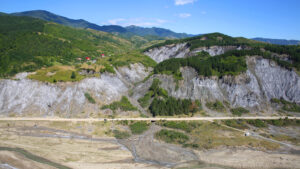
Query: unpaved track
(142, 119)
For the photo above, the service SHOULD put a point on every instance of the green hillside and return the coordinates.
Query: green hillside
(27, 44)
(218, 39)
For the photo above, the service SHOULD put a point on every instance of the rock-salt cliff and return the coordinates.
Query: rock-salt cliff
(38, 98)
(263, 80)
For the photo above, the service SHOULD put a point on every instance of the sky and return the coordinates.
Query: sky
(247, 18)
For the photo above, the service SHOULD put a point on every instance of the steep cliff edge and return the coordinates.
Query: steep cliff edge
(182, 50)
(253, 89)
(28, 97)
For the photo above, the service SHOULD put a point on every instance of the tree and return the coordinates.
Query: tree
(73, 76)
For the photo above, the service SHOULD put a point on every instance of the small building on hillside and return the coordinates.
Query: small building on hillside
(87, 58)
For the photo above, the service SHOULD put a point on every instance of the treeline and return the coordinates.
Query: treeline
(170, 106)
(230, 63)
(202, 40)
(291, 50)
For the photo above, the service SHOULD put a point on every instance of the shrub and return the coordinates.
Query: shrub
(124, 104)
(90, 98)
(139, 127)
(217, 106)
(121, 134)
(240, 124)
(239, 111)
(181, 125)
(284, 122)
(171, 136)
(144, 101)
(257, 123)
(286, 105)
(73, 76)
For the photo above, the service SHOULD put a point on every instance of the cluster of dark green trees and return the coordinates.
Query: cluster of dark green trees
(286, 105)
(124, 104)
(230, 63)
(291, 50)
(164, 105)
(170, 106)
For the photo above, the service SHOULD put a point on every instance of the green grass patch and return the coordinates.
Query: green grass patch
(121, 134)
(89, 98)
(258, 123)
(216, 106)
(124, 104)
(284, 122)
(170, 136)
(239, 111)
(127, 58)
(34, 157)
(286, 105)
(240, 124)
(139, 127)
(57, 74)
(281, 137)
(145, 100)
(181, 125)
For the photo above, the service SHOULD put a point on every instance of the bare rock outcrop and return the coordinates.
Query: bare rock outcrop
(25, 96)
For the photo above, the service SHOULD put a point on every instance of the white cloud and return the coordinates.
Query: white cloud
(184, 15)
(146, 22)
(115, 21)
(184, 2)
(203, 12)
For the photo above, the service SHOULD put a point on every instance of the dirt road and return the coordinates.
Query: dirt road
(141, 119)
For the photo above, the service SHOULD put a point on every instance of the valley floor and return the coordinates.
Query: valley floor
(33, 143)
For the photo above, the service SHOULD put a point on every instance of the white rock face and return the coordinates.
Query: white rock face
(182, 50)
(277, 82)
(214, 50)
(242, 90)
(252, 89)
(134, 73)
(169, 51)
(27, 96)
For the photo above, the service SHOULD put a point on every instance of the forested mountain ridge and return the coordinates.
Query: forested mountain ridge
(125, 31)
(278, 41)
(197, 43)
(77, 23)
(27, 44)
(154, 31)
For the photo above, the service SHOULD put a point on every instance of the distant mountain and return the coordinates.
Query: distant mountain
(278, 41)
(77, 23)
(80, 23)
(161, 32)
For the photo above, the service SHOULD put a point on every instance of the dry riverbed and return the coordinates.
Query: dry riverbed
(45, 144)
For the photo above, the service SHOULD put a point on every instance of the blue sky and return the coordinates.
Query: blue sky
(247, 18)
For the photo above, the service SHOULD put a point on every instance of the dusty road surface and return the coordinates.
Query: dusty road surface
(142, 119)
